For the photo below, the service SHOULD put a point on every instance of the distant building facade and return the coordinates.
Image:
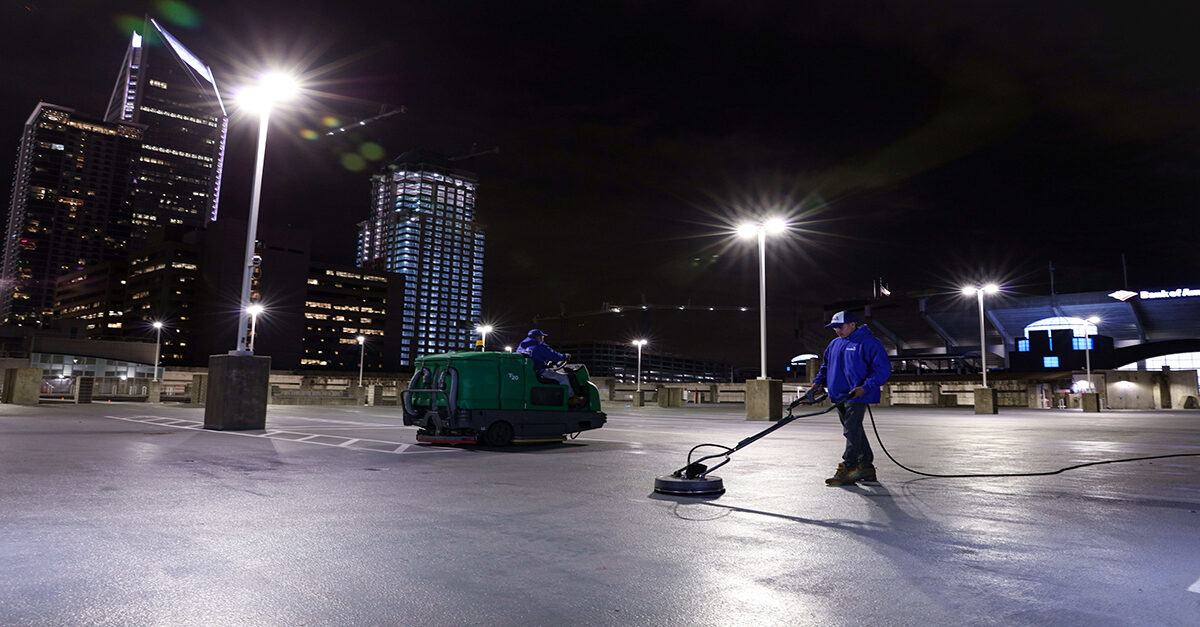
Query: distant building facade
(619, 360)
(423, 226)
(71, 205)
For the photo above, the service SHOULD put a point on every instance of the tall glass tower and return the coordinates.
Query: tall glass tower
(423, 227)
(173, 93)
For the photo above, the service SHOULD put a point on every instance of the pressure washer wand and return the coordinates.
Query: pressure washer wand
(697, 470)
(785, 420)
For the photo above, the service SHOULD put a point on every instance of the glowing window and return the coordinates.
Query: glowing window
(1022, 346)
(1050, 362)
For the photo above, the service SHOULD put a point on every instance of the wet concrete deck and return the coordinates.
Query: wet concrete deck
(129, 514)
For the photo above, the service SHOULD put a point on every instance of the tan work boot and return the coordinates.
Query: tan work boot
(866, 472)
(843, 476)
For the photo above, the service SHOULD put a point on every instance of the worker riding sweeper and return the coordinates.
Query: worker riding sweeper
(498, 399)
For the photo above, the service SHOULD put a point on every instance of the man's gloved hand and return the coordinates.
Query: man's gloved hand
(857, 392)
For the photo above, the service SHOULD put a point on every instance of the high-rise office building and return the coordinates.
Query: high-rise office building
(70, 207)
(87, 189)
(422, 225)
(173, 93)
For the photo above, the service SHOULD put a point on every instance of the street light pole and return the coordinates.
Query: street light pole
(982, 338)
(978, 293)
(761, 229)
(245, 348)
(1087, 351)
(639, 344)
(362, 351)
(483, 330)
(272, 88)
(762, 302)
(158, 327)
(253, 310)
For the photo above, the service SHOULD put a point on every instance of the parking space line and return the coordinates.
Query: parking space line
(354, 444)
(1195, 587)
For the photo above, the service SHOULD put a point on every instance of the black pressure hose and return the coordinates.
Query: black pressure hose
(1013, 474)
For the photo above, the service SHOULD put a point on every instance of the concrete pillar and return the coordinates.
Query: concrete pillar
(237, 392)
(986, 401)
(812, 367)
(639, 398)
(23, 386)
(764, 399)
(84, 387)
(714, 391)
(1091, 401)
(670, 396)
(675, 397)
(1164, 390)
(374, 392)
(199, 391)
(359, 394)
(885, 396)
(154, 392)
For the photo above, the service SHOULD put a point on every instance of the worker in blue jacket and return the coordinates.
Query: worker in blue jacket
(854, 367)
(535, 346)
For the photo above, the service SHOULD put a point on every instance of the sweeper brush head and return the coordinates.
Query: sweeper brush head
(689, 486)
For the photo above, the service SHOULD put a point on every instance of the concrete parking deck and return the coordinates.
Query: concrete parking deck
(130, 514)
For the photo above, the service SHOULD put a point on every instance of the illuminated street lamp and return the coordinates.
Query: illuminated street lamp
(253, 311)
(978, 292)
(772, 226)
(508, 349)
(1087, 350)
(272, 88)
(483, 330)
(639, 344)
(158, 327)
(362, 351)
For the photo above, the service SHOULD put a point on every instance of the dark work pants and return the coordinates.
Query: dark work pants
(858, 449)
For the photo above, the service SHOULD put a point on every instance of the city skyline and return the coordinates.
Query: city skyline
(927, 145)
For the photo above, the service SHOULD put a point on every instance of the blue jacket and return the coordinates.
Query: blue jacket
(540, 353)
(858, 360)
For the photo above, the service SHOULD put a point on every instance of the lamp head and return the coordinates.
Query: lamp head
(254, 309)
(158, 324)
(272, 88)
(747, 230)
(774, 226)
(362, 339)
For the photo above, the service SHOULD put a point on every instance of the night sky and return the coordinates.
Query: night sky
(927, 143)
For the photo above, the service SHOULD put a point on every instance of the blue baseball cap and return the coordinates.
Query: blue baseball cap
(840, 318)
(536, 333)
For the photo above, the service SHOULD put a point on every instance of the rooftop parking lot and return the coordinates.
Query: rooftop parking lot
(131, 514)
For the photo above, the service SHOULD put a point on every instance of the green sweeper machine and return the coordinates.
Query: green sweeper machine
(497, 399)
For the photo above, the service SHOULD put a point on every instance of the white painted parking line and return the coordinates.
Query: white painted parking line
(1195, 587)
(354, 444)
